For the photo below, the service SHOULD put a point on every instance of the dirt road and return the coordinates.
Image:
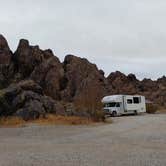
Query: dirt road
(129, 141)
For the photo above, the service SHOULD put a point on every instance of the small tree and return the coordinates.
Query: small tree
(151, 108)
(89, 102)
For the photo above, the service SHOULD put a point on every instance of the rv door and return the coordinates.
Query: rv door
(124, 105)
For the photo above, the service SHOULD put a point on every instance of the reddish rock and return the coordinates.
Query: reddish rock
(27, 58)
(5, 53)
(75, 81)
(25, 99)
(48, 53)
(155, 91)
(81, 76)
(119, 83)
(49, 75)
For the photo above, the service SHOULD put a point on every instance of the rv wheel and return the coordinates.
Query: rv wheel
(135, 112)
(114, 113)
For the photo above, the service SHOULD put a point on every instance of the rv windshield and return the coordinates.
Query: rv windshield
(113, 104)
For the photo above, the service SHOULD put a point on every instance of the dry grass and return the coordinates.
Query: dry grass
(162, 110)
(11, 122)
(67, 120)
(49, 120)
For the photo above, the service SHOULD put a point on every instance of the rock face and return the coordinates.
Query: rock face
(34, 82)
(5, 53)
(49, 75)
(119, 83)
(155, 91)
(25, 99)
(69, 80)
(27, 57)
(5, 62)
(80, 76)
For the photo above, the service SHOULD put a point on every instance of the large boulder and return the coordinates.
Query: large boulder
(27, 57)
(119, 83)
(49, 75)
(5, 53)
(48, 53)
(6, 68)
(30, 105)
(81, 77)
(27, 100)
(32, 109)
(30, 85)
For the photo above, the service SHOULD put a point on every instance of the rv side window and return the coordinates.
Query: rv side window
(136, 100)
(129, 101)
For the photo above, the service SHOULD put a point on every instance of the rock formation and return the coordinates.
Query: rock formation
(155, 91)
(25, 99)
(5, 53)
(34, 82)
(80, 76)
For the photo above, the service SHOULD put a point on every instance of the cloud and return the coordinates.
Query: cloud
(128, 35)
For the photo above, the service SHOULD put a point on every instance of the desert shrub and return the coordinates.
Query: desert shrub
(11, 121)
(89, 104)
(151, 108)
(98, 116)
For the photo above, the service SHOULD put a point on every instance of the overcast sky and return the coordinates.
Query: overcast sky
(124, 35)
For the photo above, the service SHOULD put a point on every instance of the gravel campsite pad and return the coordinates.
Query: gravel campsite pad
(129, 140)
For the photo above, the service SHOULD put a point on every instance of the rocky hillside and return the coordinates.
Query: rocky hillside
(154, 91)
(34, 82)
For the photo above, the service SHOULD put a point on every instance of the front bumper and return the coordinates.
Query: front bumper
(107, 112)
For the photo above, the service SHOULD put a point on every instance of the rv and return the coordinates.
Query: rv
(116, 105)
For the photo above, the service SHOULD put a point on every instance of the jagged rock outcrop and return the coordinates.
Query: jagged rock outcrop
(27, 57)
(49, 75)
(5, 53)
(81, 76)
(34, 82)
(119, 83)
(26, 99)
(154, 91)
(5, 62)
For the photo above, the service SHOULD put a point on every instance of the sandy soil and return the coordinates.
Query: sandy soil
(130, 141)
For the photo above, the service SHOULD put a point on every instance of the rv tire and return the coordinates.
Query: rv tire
(114, 113)
(135, 112)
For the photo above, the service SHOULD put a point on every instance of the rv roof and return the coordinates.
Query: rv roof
(114, 98)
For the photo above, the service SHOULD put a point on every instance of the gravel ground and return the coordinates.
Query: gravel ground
(129, 141)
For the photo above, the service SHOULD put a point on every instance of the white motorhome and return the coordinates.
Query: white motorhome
(124, 104)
